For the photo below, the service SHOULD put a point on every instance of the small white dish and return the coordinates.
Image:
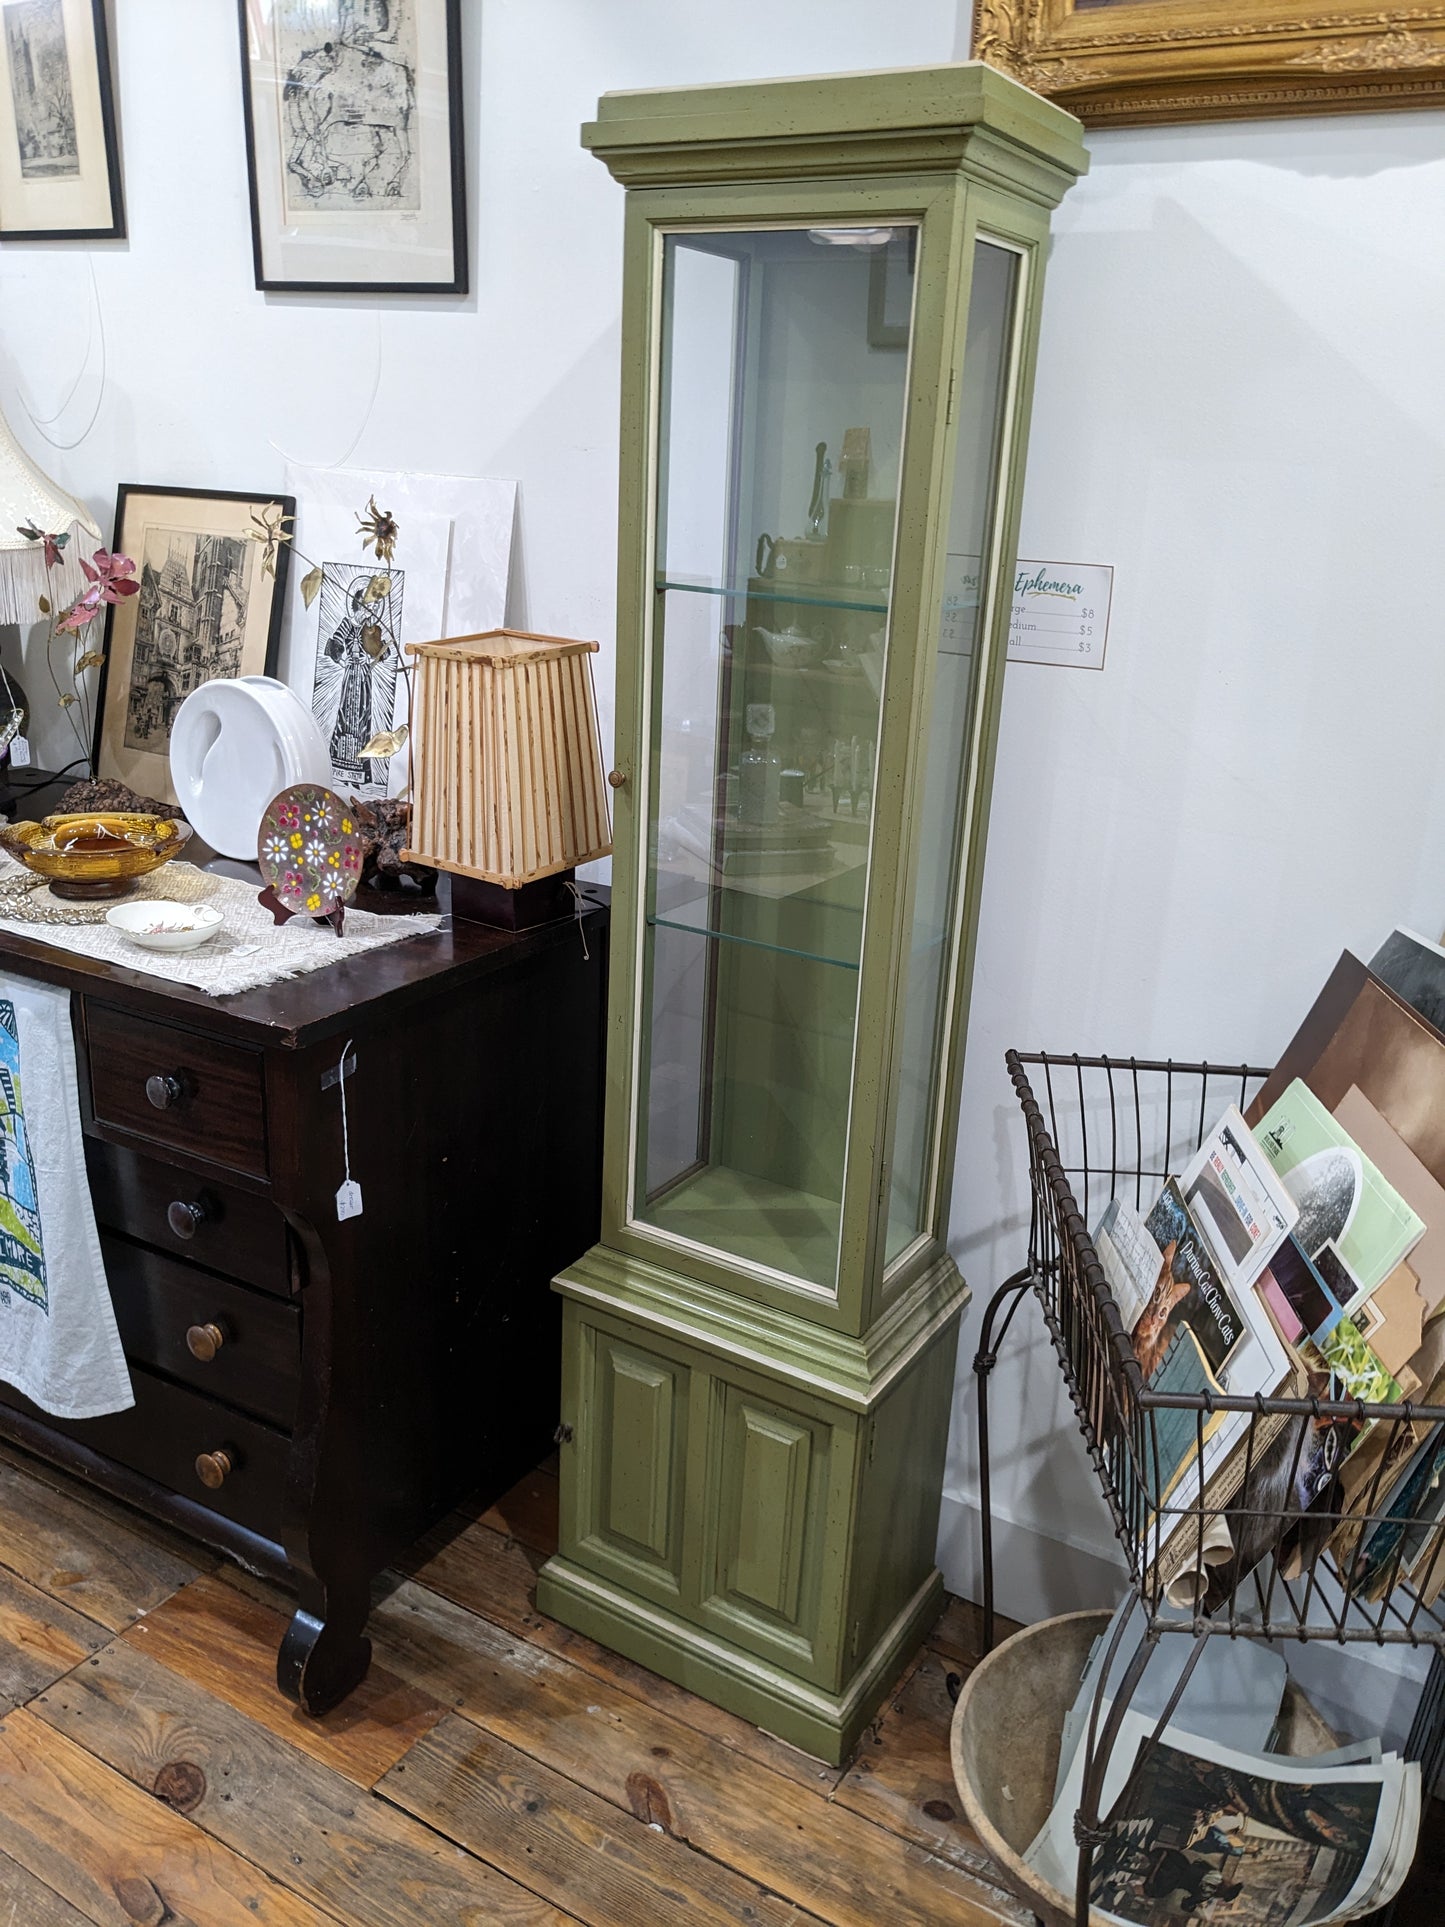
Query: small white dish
(155, 923)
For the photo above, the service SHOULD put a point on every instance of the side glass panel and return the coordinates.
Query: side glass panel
(784, 374)
(987, 368)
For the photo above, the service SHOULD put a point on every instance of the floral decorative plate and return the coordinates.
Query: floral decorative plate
(309, 850)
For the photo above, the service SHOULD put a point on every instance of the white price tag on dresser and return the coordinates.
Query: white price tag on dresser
(348, 1197)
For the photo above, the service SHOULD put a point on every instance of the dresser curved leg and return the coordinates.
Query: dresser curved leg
(321, 1660)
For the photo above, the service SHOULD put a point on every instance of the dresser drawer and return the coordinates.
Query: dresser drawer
(177, 1088)
(209, 1224)
(168, 1429)
(228, 1342)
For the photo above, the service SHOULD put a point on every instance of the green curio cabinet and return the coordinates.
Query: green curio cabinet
(831, 306)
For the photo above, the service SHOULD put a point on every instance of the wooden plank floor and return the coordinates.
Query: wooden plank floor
(494, 1768)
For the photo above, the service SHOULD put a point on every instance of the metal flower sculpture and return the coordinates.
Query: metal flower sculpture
(378, 530)
(270, 532)
(109, 578)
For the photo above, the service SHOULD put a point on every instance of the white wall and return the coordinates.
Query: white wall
(209, 383)
(1239, 406)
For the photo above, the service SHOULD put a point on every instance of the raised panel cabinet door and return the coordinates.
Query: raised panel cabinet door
(764, 1556)
(633, 1463)
(768, 1540)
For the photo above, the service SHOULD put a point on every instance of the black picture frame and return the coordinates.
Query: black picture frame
(123, 618)
(447, 15)
(109, 144)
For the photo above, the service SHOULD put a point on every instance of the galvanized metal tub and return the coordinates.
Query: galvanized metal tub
(1005, 1745)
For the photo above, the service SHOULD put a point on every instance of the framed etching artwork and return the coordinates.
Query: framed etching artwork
(210, 601)
(59, 162)
(1133, 62)
(354, 145)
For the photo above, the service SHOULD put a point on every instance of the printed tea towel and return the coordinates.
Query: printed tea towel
(58, 1340)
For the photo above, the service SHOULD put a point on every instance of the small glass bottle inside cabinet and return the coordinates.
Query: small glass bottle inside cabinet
(760, 768)
(852, 774)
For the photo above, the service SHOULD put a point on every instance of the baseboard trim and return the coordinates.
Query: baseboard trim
(1036, 1576)
(827, 1725)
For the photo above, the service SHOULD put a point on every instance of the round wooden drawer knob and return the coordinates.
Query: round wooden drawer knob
(213, 1468)
(204, 1341)
(617, 777)
(164, 1089)
(185, 1216)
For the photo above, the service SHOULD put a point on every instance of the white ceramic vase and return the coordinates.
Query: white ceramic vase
(235, 744)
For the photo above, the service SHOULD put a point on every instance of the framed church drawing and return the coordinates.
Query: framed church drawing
(59, 161)
(211, 593)
(354, 144)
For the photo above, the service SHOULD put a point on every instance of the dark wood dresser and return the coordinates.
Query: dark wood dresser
(312, 1394)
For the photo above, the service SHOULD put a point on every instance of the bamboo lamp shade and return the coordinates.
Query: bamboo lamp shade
(507, 767)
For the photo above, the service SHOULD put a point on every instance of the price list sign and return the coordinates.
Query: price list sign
(1060, 611)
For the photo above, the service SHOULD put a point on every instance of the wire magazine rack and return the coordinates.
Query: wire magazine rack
(1234, 1553)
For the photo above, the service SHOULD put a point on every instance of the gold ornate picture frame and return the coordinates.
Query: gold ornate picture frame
(1128, 63)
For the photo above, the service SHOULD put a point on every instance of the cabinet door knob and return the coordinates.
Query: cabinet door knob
(164, 1089)
(185, 1216)
(204, 1341)
(213, 1468)
(617, 777)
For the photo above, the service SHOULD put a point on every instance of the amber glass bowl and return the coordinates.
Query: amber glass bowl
(95, 855)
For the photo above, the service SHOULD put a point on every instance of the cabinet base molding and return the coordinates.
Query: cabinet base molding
(826, 1725)
(786, 1344)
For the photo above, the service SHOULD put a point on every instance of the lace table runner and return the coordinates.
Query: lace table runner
(247, 951)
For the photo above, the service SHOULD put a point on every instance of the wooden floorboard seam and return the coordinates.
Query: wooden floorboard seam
(517, 1625)
(869, 1841)
(333, 1847)
(89, 1833)
(970, 1861)
(755, 1898)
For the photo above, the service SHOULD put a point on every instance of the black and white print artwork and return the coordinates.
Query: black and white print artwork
(41, 90)
(349, 105)
(190, 625)
(354, 694)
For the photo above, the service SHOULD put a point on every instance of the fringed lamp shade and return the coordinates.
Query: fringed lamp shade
(507, 767)
(28, 497)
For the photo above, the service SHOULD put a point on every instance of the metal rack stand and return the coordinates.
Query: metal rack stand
(1120, 1127)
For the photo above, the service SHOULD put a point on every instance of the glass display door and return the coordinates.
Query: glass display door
(971, 589)
(784, 374)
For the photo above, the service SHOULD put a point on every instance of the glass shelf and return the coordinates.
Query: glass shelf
(756, 1219)
(809, 597)
(699, 928)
